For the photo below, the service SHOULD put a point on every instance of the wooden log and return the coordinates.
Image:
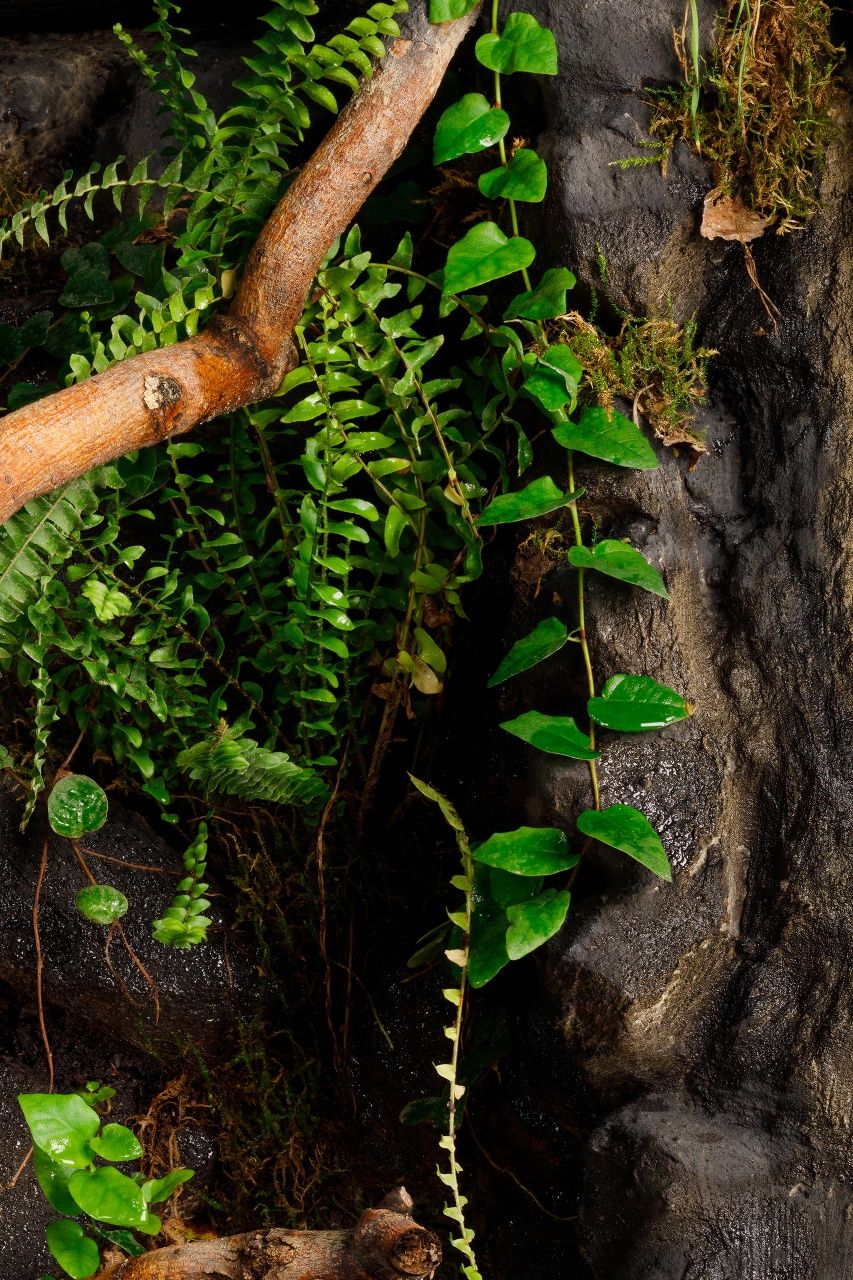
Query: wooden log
(386, 1244)
(240, 357)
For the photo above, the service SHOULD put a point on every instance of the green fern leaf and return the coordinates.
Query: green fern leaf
(239, 767)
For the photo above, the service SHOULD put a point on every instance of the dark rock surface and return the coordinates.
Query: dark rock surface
(703, 1035)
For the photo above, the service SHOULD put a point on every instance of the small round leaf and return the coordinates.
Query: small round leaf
(76, 1253)
(76, 805)
(117, 1142)
(102, 904)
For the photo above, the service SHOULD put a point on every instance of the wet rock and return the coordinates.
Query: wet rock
(89, 974)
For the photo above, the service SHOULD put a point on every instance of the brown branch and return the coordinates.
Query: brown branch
(240, 357)
(386, 1244)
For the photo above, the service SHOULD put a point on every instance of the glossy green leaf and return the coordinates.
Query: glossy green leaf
(447, 10)
(537, 499)
(524, 178)
(76, 1253)
(558, 735)
(619, 560)
(546, 301)
(507, 889)
(157, 1189)
(523, 45)
(109, 1196)
(609, 436)
(101, 903)
(124, 1239)
(487, 952)
(472, 124)
(117, 1142)
(546, 638)
(485, 254)
(62, 1124)
(529, 851)
(554, 377)
(533, 923)
(53, 1177)
(76, 805)
(635, 704)
(623, 827)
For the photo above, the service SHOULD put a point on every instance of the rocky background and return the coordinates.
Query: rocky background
(680, 1060)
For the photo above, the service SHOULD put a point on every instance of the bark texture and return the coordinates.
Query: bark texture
(239, 358)
(704, 1029)
(385, 1244)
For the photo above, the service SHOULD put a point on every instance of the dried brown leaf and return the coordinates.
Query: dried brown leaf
(728, 218)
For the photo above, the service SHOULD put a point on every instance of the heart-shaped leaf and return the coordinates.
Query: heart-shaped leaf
(507, 889)
(102, 904)
(523, 45)
(469, 126)
(554, 377)
(487, 953)
(546, 301)
(447, 10)
(485, 254)
(524, 178)
(635, 704)
(529, 851)
(76, 805)
(558, 735)
(532, 923)
(76, 1253)
(110, 1196)
(619, 560)
(62, 1125)
(547, 637)
(609, 436)
(117, 1142)
(625, 828)
(158, 1189)
(536, 499)
(53, 1177)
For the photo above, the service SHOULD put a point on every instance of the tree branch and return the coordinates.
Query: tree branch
(386, 1244)
(242, 356)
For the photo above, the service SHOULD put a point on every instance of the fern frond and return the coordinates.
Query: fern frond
(34, 544)
(184, 923)
(239, 767)
(45, 714)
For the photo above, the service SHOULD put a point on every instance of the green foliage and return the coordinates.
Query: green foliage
(68, 1138)
(184, 923)
(546, 638)
(538, 498)
(609, 436)
(622, 827)
(619, 560)
(529, 851)
(237, 766)
(557, 735)
(76, 805)
(523, 45)
(469, 126)
(484, 254)
(635, 704)
(102, 904)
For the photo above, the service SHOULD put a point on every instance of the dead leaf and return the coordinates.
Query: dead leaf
(728, 218)
(425, 680)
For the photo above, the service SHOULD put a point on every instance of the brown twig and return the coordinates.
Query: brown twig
(45, 1039)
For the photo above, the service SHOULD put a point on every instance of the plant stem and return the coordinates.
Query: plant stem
(513, 211)
(582, 637)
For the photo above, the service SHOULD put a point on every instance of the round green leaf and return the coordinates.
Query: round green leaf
(485, 254)
(635, 704)
(553, 378)
(53, 1177)
(537, 499)
(109, 1196)
(472, 124)
(547, 637)
(625, 828)
(62, 1125)
(158, 1189)
(76, 805)
(529, 851)
(619, 560)
(76, 1253)
(447, 10)
(524, 178)
(523, 45)
(532, 923)
(101, 903)
(608, 436)
(558, 735)
(117, 1142)
(546, 301)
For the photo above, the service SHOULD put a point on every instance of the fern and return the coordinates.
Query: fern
(184, 923)
(236, 765)
(34, 544)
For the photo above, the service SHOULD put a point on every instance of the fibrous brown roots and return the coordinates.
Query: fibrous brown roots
(240, 357)
(386, 1244)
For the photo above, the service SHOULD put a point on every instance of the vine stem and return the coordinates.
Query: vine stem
(513, 211)
(582, 636)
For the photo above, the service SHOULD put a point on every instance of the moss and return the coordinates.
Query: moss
(765, 110)
(653, 363)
